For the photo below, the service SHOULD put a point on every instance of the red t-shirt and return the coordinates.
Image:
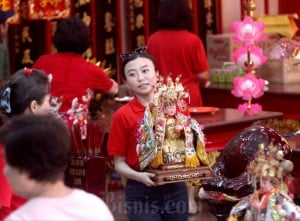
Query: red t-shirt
(179, 52)
(72, 76)
(122, 138)
(8, 201)
(5, 190)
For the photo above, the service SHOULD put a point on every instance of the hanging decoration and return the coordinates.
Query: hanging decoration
(8, 9)
(6, 5)
(48, 9)
(248, 57)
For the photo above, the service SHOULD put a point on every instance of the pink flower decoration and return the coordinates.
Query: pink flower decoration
(248, 31)
(249, 110)
(248, 87)
(257, 57)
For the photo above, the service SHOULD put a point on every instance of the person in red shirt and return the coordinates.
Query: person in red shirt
(26, 92)
(144, 199)
(180, 52)
(177, 50)
(72, 75)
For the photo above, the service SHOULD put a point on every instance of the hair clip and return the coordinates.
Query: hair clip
(5, 100)
(27, 71)
(139, 50)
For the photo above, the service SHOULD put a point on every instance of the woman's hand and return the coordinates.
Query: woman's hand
(146, 178)
(124, 170)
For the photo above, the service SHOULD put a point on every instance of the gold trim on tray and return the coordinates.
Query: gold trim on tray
(181, 175)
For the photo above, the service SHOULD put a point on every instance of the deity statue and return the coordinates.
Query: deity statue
(169, 138)
(270, 201)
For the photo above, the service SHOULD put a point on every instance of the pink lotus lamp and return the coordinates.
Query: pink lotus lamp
(248, 57)
(248, 31)
(248, 87)
(241, 57)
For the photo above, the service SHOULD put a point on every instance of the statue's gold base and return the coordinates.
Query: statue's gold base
(181, 175)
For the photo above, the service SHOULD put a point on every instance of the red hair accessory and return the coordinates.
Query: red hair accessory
(27, 71)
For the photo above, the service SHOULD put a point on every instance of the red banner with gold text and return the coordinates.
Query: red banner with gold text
(48, 9)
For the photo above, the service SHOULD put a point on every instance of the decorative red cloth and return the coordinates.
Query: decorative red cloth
(72, 76)
(179, 52)
(48, 9)
(122, 138)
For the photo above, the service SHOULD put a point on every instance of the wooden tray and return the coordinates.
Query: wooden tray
(181, 175)
(203, 110)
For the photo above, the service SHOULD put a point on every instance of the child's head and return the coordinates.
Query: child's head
(72, 35)
(139, 70)
(27, 90)
(37, 151)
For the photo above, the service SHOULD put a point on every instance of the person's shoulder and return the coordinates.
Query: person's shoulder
(190, 34)
(91, 66)
(88, 198)
(93, 205)
(23, 212)
(82, 194)
(45, 56)
(128, 111)
(44, 59)
(123, 110)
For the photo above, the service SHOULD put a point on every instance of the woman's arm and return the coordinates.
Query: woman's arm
(124, 170)
(115, 87)
(203, 78)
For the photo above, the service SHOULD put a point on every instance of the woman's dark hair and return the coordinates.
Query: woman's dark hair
(38, 145)
(132, 55)
(23, 87)
(72, 35)
(175, 15)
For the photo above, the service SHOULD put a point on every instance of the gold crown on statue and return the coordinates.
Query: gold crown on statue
(169, 91)
(269, 163)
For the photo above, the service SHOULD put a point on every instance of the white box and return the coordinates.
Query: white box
(220, 49)
(280, 71)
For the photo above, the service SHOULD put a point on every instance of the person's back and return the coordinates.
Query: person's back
(78, 205)
(177, 51)
(72, 75)
(43, 144)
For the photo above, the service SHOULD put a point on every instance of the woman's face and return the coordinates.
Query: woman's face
(141, 76)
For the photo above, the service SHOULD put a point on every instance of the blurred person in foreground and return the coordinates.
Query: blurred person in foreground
(26, 92)
(37, 151)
